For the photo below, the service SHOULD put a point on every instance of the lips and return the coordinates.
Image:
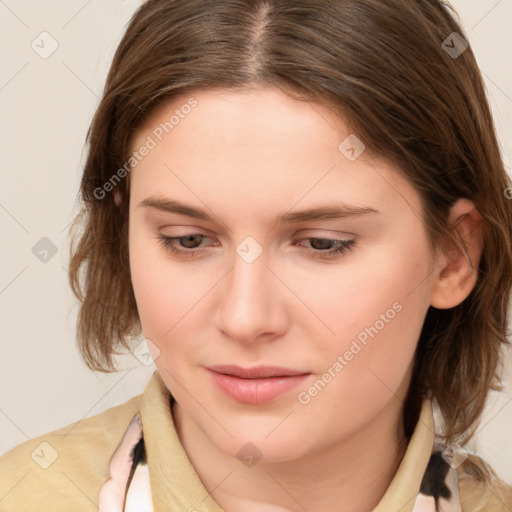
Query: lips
(255, 385)
(258, 372)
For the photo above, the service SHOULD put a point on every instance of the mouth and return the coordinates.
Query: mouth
(256, 385)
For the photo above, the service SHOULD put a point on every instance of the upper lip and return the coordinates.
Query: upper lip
(255, 372)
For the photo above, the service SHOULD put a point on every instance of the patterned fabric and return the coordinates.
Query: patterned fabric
(128, 488)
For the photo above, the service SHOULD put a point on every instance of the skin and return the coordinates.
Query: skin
(246, 157)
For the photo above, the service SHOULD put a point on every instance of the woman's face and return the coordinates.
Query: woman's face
(258, 281)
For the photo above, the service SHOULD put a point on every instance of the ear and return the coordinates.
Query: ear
(117, 197)
(457, 262)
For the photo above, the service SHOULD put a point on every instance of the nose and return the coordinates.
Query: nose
(252, 301)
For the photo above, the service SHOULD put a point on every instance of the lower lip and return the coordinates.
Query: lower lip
(256, 391)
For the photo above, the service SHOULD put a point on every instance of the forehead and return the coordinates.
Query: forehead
(236, 113)
(259, 143)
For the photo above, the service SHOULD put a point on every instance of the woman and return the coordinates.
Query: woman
(302, 207)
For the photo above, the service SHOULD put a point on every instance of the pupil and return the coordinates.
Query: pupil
(322, 242)
(189, 239)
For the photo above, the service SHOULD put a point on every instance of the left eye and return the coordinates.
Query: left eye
(325, 247)
(170, 242)
(335, 247)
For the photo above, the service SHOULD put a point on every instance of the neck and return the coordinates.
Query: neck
(349, 476)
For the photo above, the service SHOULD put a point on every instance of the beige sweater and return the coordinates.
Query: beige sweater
(63, 471)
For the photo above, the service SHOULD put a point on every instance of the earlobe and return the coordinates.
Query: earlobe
(117, 197)
(458, 259)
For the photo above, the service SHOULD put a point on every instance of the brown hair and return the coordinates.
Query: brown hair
(386, 67)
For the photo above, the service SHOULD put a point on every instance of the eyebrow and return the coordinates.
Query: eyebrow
(332, 211)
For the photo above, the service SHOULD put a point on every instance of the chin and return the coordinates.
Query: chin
(253, 443)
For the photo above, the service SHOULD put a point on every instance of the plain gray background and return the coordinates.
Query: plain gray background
(46, 105)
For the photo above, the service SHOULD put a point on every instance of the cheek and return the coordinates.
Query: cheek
(376, 312)
(381, 288)
(161, 292)
(171, 298)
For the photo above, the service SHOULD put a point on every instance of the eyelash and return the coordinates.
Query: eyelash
(341, 246)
